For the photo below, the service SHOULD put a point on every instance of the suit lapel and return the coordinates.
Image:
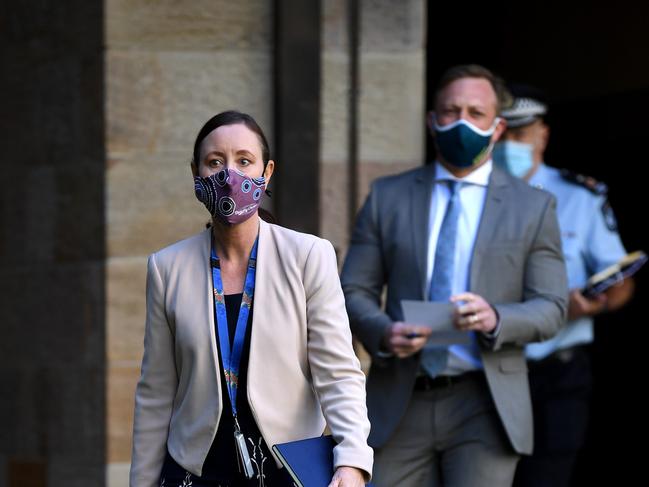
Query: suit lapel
(420, 211)
(489, 221)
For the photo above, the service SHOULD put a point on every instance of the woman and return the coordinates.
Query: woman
(247, 342)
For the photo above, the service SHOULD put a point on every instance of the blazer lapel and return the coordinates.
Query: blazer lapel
(260, 298)
(420, 211)
(489, 221)
(205, 276)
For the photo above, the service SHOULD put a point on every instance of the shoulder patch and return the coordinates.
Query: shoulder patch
(609, 216)
(591, 184)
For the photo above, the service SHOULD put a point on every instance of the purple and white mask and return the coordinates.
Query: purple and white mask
(230, 195)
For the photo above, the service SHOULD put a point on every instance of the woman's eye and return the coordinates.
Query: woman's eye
(214, 162)
(245, 162)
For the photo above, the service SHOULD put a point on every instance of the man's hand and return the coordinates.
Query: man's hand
(404, 339)
(474, 313)
(579, 305)
(612, 299)
(347, 477)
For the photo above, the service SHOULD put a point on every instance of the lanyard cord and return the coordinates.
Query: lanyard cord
(231, 357)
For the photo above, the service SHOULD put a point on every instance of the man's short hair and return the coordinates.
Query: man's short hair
(474, 71)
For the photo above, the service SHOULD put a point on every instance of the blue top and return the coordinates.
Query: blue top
(590, 243)
(472, 196)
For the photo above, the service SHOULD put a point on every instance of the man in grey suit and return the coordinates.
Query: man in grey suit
(464, 232)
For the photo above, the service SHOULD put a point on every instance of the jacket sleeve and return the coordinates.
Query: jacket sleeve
(363, 279)
(156, 388)
(335, 370)
(545, 293)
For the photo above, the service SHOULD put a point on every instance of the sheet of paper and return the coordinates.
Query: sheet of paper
(439, 317)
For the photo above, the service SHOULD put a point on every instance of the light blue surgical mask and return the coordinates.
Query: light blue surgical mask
(463, 144)
(514, 157)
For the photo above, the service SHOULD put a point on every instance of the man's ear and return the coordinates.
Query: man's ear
(544, 136)
(501, 126)
(430, 120)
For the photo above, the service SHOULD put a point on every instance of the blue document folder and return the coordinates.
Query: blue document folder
(309, 462)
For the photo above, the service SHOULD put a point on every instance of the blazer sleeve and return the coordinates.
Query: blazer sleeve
(156, 388)
(335, 370)
(545, 294)
(363, 279)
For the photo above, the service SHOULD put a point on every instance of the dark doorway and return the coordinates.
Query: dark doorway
(592, 63)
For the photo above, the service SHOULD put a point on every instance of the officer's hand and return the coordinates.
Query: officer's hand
(579, 305)
(474, 313)
(405, 339)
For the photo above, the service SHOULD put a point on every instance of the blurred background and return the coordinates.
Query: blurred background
(101, 101)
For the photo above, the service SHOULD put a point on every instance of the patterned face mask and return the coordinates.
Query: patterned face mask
(230, 195)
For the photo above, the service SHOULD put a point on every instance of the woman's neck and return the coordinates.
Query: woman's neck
(234, 242)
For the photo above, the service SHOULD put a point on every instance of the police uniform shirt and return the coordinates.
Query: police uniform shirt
(590, 244)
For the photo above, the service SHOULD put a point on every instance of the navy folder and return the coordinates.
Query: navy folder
(309, 462)
(625, 267)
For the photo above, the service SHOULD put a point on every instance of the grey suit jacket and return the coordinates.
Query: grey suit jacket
(302, 370)
(517, 266)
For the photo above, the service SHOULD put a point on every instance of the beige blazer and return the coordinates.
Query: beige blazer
(302, 371)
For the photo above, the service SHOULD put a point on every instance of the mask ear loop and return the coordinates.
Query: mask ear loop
(493, 129)
(266, 190)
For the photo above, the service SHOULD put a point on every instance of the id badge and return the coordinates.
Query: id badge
(242, 454)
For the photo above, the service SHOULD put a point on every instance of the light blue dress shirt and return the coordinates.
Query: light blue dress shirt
(589, 246)
(472, 196)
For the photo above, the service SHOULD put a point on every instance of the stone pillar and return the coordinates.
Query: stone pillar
(391, 111)
(52, 375)
(169, 67)
(391, 101)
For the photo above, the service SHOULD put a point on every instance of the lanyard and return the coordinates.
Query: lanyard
(231, 358)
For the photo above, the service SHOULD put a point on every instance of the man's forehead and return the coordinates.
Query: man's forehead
(472, 91)
(525, 129)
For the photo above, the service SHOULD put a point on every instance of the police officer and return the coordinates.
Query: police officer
(560, 373)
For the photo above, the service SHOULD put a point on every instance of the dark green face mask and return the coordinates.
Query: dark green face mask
(463, 144)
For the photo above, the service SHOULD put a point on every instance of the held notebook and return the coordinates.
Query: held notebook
(625, 267)
(309, 462)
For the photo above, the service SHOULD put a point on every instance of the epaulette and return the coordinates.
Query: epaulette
(591, 184)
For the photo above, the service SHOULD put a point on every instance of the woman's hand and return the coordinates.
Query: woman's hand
(348, 477)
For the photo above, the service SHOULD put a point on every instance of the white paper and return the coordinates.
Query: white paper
(439, 317)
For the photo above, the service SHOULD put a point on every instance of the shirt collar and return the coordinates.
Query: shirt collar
(540, 178)
(479, 177)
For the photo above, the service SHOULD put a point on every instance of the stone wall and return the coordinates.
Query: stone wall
(102, 102)
(391, 107)
(170, 65)
(168, 69)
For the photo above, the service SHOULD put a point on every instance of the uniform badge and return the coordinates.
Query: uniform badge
(609, 216)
